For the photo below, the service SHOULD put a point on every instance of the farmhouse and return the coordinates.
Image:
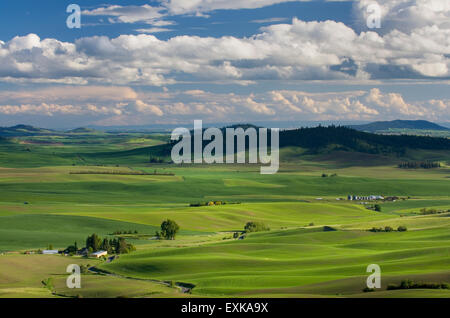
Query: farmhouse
(84, 251)
(99, 254)
(364, 198)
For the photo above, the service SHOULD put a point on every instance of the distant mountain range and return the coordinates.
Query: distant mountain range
(398, 124)
(27, 130)
(379, 126)
(375, 127)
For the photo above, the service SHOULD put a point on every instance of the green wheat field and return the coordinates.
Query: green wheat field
(319, 243)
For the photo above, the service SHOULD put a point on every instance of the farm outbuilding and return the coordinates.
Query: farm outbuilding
(50, 252)
(99, 254)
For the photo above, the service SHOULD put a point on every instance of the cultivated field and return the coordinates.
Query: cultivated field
(318, 244)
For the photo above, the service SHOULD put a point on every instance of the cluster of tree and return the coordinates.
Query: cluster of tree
(375, 207)
(388, 229)
(426, 211)
(113, 246)
(125, 232)
(169, 230)
(324, 175)
(409, 284)
(211, 203)
(72, 249)
(156, 160)
(255, 227)
(419, 164)
(368, 290)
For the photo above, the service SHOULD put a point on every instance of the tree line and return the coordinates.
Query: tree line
(419, 164)
(95, 243)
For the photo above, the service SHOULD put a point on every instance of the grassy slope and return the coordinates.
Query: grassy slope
(26, 273)
(27, 231)
(294, 262)
(290, 261)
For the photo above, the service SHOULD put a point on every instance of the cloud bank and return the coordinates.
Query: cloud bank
(297, 51)
(123, 105)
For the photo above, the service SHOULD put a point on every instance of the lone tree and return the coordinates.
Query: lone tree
(169, 230)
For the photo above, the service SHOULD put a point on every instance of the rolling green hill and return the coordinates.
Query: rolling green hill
(309, 144)
(60, 188)
(23, 130)
(315, 141)
(299, 262)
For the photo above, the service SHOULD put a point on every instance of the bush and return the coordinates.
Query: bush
(377, 207)
(409, 284)
(84, 269)
(391, 287)
(368, 290)
(388, 229)
(255, 227)
(426, 211)
(402, 228)
(48, 283)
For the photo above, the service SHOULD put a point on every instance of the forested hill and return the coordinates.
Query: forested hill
(342, 138)
(398, 124)
(353, 140)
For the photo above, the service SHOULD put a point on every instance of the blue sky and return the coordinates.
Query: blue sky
(173, 61)
(47, 19)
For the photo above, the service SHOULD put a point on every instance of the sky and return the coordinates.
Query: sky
(174, 61)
